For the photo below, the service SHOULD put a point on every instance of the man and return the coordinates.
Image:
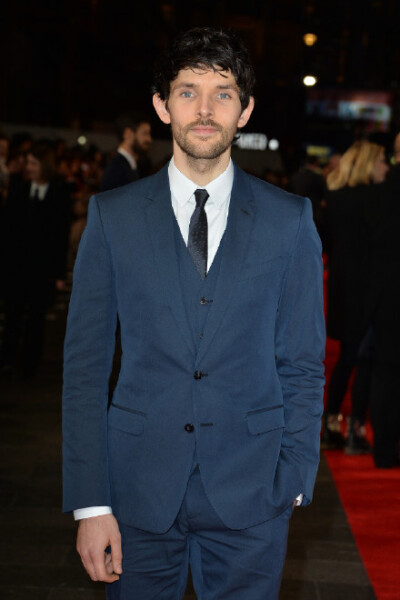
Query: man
(213, 429)
(135, 139)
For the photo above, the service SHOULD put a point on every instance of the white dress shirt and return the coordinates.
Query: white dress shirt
(38, 190)
(183, 204)
(216, 207)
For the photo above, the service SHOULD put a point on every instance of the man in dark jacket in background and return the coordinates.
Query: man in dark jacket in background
(134, 135)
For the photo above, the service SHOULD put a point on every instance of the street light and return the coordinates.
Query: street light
(273, 144)
(309, 80)
(310, 39)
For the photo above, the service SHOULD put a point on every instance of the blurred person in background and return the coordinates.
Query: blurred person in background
(134, 135)
(36, 238)
(96, 163)
(274, 177)
(4, 179)
(16, 165)
(309, 182)
(333, 163)
(21, 142)
(4, 175)
(385, 308)
(353, 193)
(80, 203)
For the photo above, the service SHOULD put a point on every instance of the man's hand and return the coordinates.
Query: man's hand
(95, 534)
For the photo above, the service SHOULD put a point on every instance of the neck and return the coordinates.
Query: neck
(201, 170)
(127, 148)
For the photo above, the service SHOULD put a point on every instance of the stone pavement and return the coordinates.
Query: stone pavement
(37, 546)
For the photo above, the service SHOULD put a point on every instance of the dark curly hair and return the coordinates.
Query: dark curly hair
(45, 154)
(205, 47)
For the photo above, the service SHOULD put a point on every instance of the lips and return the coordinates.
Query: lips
(201, 130)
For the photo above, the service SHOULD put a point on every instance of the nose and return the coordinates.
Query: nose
(205, 107)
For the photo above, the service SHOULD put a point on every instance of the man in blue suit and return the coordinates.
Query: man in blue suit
(212, 434)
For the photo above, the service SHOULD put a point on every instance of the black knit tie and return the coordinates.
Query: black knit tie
(198, 233)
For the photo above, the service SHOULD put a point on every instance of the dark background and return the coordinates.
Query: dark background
(79, 63)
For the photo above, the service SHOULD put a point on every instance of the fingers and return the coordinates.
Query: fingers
(89, 568)
(94, 535)
(98, 566)
(116, 554)
(108, 563)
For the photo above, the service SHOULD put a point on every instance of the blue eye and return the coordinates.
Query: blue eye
(187, 94)
(224, 95)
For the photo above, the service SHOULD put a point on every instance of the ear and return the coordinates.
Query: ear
(160, 106)
(245, 116)
(128, 134)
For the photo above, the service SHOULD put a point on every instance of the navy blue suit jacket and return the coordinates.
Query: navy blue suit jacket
(262, 349)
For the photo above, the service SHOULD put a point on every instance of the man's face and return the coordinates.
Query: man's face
(142, 140)
(204, 111)
(33, 168)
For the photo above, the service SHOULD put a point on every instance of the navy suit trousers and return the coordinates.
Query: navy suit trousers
(225, 564)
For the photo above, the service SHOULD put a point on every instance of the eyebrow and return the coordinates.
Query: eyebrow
(228, 86)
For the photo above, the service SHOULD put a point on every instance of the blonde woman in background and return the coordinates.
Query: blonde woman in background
(353, 191)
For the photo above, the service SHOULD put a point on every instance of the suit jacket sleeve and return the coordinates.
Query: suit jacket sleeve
(88, 356)
(300, 344)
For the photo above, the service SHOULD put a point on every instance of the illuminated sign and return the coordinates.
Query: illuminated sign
(252, 141)
(375, 108)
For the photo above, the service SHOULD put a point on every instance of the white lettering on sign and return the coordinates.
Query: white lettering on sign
(252, 141)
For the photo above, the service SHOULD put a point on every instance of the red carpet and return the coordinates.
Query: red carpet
(371, 499)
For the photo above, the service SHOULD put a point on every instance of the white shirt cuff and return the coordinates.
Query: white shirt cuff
(91, 511)
(299, 499)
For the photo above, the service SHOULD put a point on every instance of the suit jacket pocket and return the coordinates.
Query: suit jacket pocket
(261, 268)
(264, 420)
(126, 419)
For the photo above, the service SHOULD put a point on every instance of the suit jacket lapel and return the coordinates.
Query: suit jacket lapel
(236, 239)
(160, 221)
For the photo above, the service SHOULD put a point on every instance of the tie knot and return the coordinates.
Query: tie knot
(201, 197)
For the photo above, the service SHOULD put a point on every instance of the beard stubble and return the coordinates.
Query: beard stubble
(194, 149)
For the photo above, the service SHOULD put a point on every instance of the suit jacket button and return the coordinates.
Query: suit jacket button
(189, 428)
(203, 300)
(197, 374)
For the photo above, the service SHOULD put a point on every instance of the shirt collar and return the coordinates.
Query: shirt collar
(41, 190)
(182, 188)
(131, 160)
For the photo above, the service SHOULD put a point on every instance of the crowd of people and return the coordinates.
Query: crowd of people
(44, 194)
(356, 211)
(45, 189)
